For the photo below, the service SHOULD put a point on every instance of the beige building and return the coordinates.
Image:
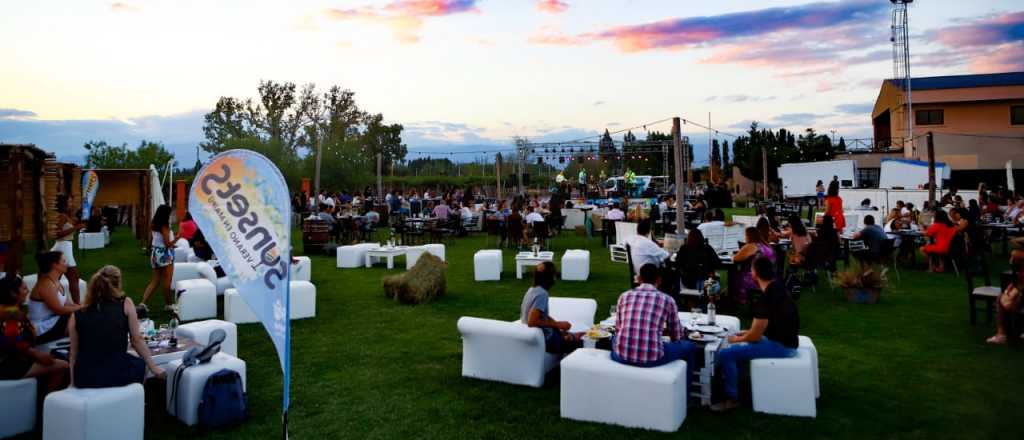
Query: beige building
(977, 122)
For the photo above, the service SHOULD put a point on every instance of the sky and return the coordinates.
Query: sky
(468, 75)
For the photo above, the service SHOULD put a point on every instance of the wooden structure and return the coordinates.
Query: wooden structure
(29, 185)
(131, 188)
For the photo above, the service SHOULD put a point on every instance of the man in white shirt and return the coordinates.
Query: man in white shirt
(533, 216)
(710, 223)
(643, 250)
(615, 214)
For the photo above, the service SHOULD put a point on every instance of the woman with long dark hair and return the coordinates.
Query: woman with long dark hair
(161, 257)
(754, 247)
(68, 226)
(50, 306)
(834, 205)
(18, 356)
(696, 261)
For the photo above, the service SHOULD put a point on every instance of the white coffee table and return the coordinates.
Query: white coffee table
(385, 252)
(527, 259)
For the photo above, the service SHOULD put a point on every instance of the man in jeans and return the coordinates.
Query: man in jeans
(773, 334)
(642, 316)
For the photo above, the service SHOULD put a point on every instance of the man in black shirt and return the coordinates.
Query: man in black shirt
(773, 334)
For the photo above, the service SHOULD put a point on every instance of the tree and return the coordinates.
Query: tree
(385, 139)
(726, 166)
(716, 160)
(102, 155)
(842, 144)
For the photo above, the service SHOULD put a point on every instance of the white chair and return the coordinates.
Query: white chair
(732, 236)
(746, 220)
(487, 265)
(197, 299)
(784, 386)
(715, 236)
(513, 353)
(576, 265)
(573, 217)
(181, 250)
(624, 231)
(808, 345)
(649, 398)
(193, 271)
(200, 332)
(354, 256)
(106, 235)
(17, 407)
(95, 414)
(185, 404)
(302, 270)
(91, 240)
(302, 299)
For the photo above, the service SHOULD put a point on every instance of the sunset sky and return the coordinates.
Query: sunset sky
(470, 74)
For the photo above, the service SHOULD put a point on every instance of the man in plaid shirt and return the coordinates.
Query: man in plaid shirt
(643, 315)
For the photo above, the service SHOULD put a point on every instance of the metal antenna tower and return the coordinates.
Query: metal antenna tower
(901, 62)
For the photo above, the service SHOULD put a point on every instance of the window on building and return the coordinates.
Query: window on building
(1017, 115)
(929, 117)
(868, 177)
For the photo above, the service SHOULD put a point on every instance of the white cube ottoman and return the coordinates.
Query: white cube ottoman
(223, 284)
(302, 269)
(200, 332)
(784, 386)
(91, 240)
(576, 265)
(355, 255)
(185, 404)
(95, 414)
(487, 265)
(437, 249)
(17, 407)
(235, 308)
(807, 344)
(597, 389)
(197, 299)
(303, 304)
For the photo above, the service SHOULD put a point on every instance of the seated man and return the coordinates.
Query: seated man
(643, 249)
(773, 334)
(643, 315)
(873, 237)
(615, 214)
(534, 312)
(533, 216)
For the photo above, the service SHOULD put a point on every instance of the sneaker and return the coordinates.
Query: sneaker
(725, 406)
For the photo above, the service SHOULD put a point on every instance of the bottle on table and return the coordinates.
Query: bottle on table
(171, 327)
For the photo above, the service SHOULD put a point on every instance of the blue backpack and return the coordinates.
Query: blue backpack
(223, 403)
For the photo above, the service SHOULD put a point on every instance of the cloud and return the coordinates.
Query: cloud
(405, 17)
(597, 103)
(855, 109)
(552, 6)
(13, 113)
(124, 7)
(993, 43)
(740, 98)
(180, 133)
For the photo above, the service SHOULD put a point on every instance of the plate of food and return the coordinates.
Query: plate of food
(710, 329)
(598, 333)
(700, 337)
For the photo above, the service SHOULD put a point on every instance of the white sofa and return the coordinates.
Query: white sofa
(513, 353)
(181, 250)
(193, 271)
(197, 299)
(487, 264)
(302, 269)
(649, 398)
(200, 332)
(92, 240)
(576, 265)
(17, 407)
(303, 304)
(355, 255)
(83, 288)
(95, 414)
(185, 406)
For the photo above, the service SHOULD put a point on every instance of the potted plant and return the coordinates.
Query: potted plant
(862, 283)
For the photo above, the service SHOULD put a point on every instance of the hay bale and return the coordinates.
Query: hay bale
(424, 283)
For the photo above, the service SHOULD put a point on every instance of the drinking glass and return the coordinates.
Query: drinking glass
(613, 309)
(697, 312)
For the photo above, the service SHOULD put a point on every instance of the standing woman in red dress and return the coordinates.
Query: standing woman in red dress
(834, 206)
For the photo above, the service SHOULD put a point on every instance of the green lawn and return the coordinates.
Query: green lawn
(366, 367)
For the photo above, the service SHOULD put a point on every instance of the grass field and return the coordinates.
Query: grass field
(366, 367)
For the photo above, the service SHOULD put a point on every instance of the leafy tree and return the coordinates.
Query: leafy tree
(102, 155)
(842, 144)
(726, 166)
(716, 159)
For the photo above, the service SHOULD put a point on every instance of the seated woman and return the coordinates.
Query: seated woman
(187, 229)
(696, 261)
(100, 333)
(768, 233)
(941, 234)
(1008, 303)
(50, 307)
(534, 312)
(800, 239)
(755, 247)
(18, 359)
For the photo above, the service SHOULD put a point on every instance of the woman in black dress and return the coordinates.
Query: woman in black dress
(99, 337)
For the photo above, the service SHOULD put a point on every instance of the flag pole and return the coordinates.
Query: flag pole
(287, 346)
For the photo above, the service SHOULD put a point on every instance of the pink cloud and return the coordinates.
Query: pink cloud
(994, 43)
(552, 6)
(1003, 58)
(405, 17)
(987, 31)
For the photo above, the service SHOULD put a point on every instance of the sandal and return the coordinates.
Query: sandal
(997, 340)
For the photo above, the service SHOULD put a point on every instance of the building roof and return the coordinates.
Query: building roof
(964, 81)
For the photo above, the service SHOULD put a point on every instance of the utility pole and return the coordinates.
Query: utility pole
(931, 170)
(711, 156)
(316, 173)
(764, 171)
(677, 143)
